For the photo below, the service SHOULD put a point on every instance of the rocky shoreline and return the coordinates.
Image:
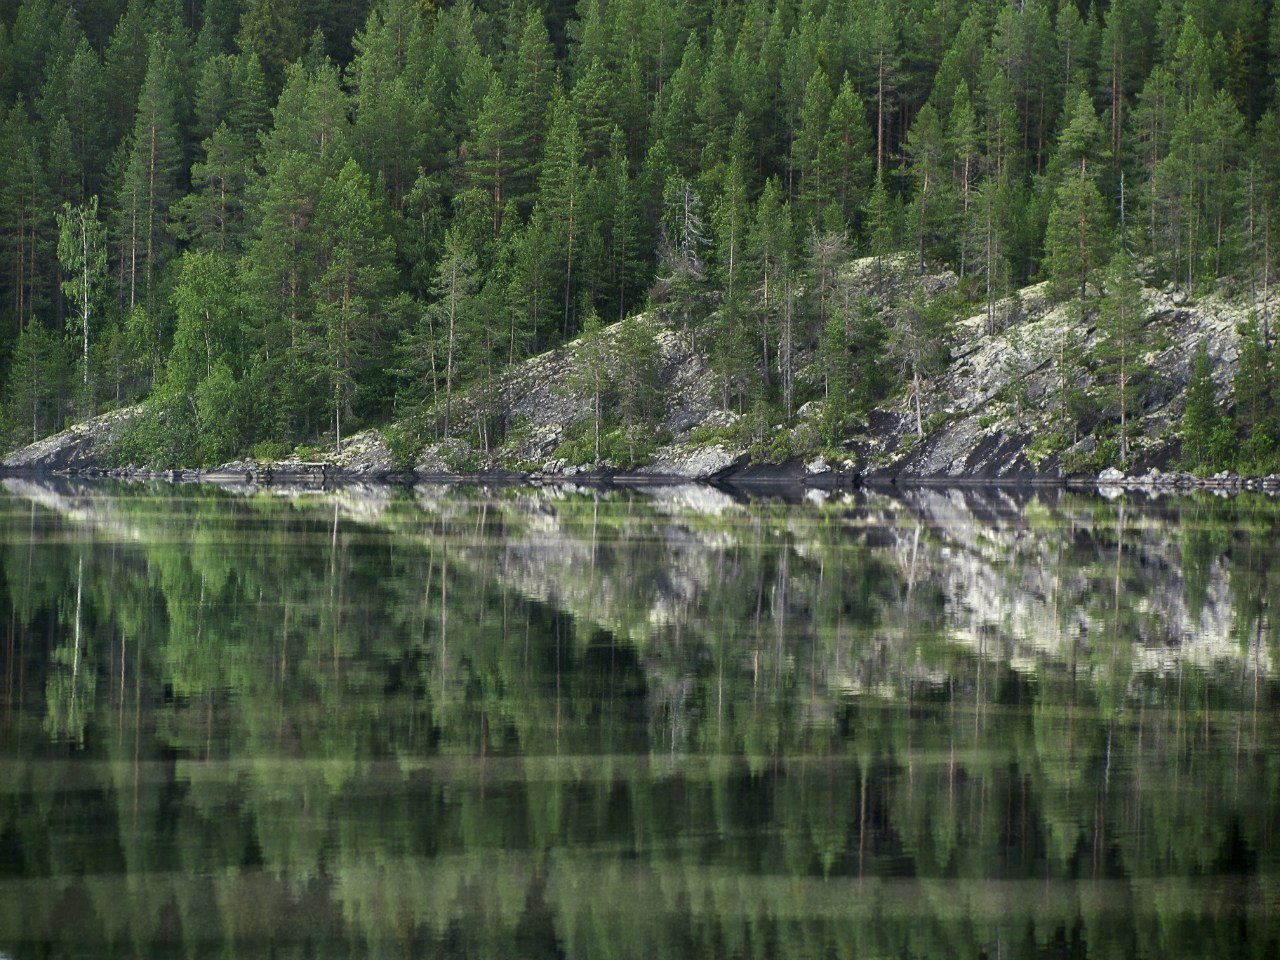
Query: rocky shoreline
(992, 418)
(816, 474)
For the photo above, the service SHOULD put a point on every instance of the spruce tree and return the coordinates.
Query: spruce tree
(1077, 239)
(1253, 394)
(36, 384)
(1202, 420)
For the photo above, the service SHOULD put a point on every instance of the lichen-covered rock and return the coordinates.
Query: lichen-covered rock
(995, 413)
(817, 466)
(85, 446)
(686, 462)
(444, 458)
(363, 454)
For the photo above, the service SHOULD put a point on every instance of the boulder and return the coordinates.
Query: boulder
(85, 446)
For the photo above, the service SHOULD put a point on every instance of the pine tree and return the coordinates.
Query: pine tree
(626, 260)
(883, 42)
(681, 287)
(124, 67)
(453, 295)
(1120, 56)
(280, 266)
(562, 189)
(848, 146)
(24, 214)
(917, 341)
(988, 235)
(532, 283)
(883, 218)
(810, 162)
(213, 94)
(149, 187)
(212, 214)
(531, 78)
(593, 371)
(77, 94)
(1123, 345)
(1202, 177)
(933, 209)
(1080, 148)
(391, 125)
(352, 289)
(962, 136)
(593, 98)
(640, 402)
(250, 107)
(1151, 121)
(494, 151)
(731, 354)
(275, 32)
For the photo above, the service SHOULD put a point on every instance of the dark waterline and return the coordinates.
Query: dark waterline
(674, 721)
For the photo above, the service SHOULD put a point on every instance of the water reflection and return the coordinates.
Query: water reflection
(523, 723)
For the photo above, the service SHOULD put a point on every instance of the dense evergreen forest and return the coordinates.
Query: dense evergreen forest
(282, 220)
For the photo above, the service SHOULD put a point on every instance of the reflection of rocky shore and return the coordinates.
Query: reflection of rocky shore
(1030, 579)
(822, 716)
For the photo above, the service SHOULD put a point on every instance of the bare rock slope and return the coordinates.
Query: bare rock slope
(994, 414)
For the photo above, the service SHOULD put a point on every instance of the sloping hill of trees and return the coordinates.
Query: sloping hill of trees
(278, 221)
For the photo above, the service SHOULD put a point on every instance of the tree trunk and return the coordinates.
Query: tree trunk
(880, 114)
(915, 383)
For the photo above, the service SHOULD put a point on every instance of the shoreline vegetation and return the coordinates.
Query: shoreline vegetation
(835, 241)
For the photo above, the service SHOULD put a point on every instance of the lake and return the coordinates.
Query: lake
(671, 722)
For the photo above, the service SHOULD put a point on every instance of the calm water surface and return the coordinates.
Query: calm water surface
(528, 723)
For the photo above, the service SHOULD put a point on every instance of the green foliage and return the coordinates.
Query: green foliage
(1046, 444)
(267, 451)
(1206, 434)
(404, 446)
(1123, 346)
(1103, 453)
(728, 162)
(82, 252)
(1077, 236)
(1254, 394)
(37, 385)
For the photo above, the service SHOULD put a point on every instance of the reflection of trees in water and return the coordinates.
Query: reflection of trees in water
(600, 726)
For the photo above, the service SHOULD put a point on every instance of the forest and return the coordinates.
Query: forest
(278, 221)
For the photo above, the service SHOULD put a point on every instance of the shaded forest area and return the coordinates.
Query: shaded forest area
(281, 220)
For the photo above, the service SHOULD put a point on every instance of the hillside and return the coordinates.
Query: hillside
(993, 412)
(264, 227)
